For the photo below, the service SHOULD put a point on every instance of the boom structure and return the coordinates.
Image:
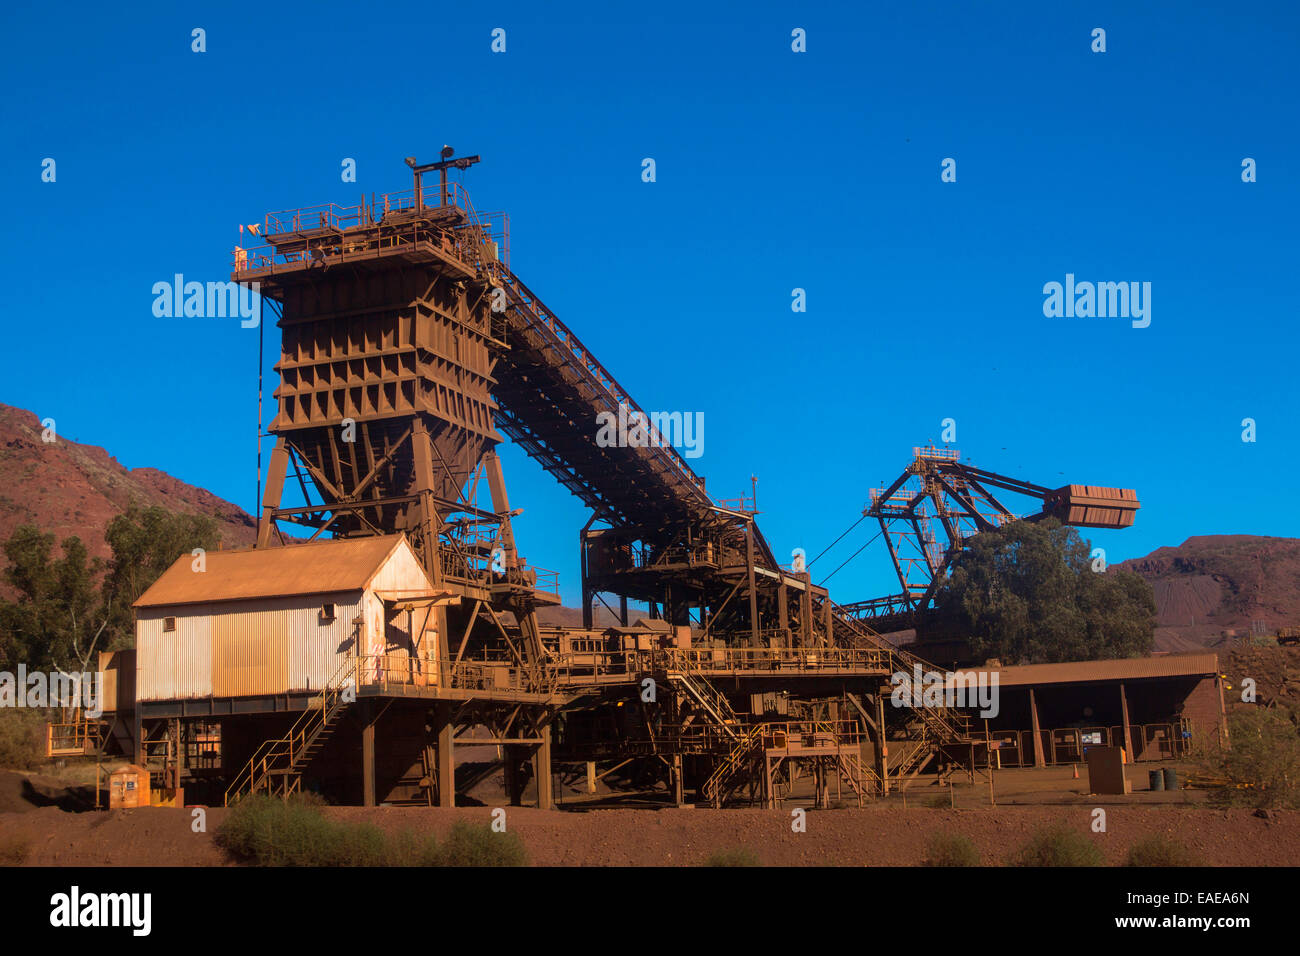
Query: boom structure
(932, 510)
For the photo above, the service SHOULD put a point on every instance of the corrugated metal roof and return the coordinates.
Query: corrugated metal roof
(1135, 668)
(321, 567)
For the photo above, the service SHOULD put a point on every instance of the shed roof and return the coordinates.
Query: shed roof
(1135, 668)
(320, 567)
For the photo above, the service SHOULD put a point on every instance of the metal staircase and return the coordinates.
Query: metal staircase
(713, 702)
(934, 727)
(276, 767)
(735, 769)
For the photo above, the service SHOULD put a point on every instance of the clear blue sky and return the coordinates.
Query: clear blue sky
(775, 170)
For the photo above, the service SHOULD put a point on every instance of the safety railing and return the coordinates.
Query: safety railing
(1067, 745)
(942, 454)
(73, 738)
(331, 216)
(747, 504)
(326, 216)
(331, 234)
(336, 250)
(703, 555)
(797, 659)
(475, 563)
(795, 735)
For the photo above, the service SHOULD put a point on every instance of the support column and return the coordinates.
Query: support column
(587, 593)
(1128, 731)
(679, 787)
(429, 760)
(821, 791)
(446, 734)
(783, 609)
(512, 766)
(882, 746)
(805, 611)
(591, 776)
(368, 757)
(1039, 761)
(542, 770)
(1223, 714)
(753, 593)
(424, 487)
(174, 734)
(274, 490)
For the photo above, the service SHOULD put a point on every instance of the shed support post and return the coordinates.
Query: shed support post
(1039, 760)
(1128, 730)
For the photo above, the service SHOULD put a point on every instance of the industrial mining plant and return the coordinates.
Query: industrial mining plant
(388, 618)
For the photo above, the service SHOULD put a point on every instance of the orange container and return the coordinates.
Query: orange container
(128, 786)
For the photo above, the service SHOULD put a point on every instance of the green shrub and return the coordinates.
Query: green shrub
(1160, 850)
(14, 851)
(469, 845)
(951, 849)
(1261, 768)
(1058, 846)
(22, 737)
(273, 832)
(740, 856)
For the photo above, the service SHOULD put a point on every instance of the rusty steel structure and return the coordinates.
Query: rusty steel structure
(409, 350)
(929, 513)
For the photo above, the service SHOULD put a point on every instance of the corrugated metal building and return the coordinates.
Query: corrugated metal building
(269, 621)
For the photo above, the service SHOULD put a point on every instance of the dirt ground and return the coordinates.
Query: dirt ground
(40, 812)
(871, 837)
(877, 836)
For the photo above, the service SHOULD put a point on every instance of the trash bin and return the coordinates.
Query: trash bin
(1157, 779)
(1171, 778)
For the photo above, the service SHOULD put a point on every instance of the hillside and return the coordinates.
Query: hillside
(67, 488)
(1215, 585)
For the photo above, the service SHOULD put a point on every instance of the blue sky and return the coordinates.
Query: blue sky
(775, 170)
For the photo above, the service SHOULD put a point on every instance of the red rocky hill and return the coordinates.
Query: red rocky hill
(1213, 587)
(71, 489)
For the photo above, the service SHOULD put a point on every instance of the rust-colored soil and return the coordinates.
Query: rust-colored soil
(870, 837)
